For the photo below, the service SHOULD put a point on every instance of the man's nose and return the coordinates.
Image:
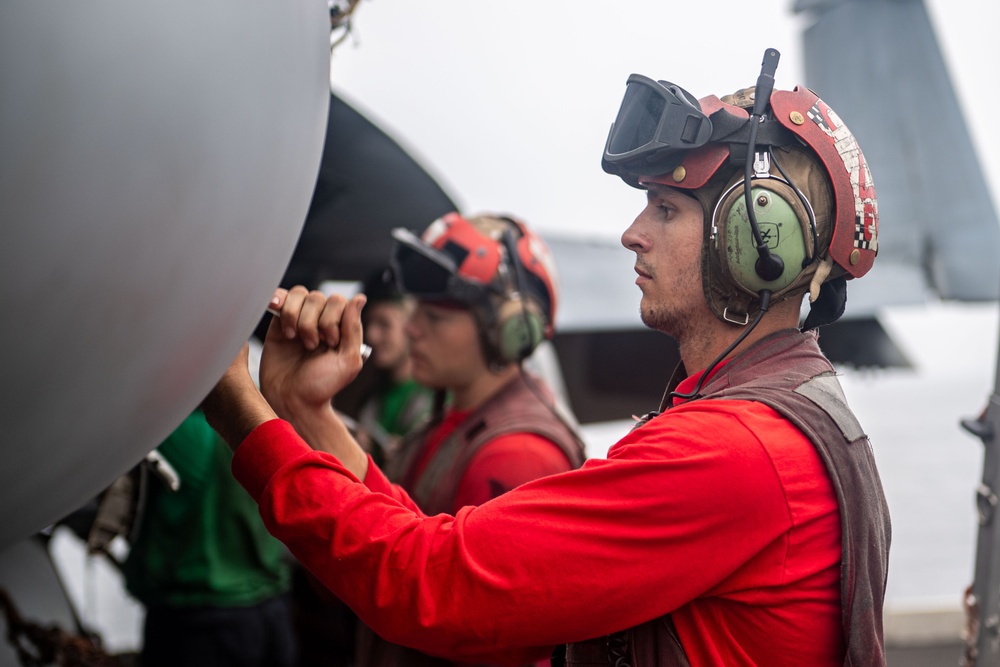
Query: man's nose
(633, 239)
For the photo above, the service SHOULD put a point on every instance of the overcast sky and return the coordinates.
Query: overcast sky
(508, 104)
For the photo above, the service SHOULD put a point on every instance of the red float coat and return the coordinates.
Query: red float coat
(718, 511)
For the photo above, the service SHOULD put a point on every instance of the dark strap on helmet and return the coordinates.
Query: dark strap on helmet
(730, 129)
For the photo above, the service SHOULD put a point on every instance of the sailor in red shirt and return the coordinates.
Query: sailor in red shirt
(743, 523)
(485, 290)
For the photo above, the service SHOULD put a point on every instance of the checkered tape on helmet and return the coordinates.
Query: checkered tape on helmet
(854, 241)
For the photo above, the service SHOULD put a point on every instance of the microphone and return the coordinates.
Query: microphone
(769, 267)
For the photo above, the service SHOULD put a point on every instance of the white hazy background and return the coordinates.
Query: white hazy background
(508, 105)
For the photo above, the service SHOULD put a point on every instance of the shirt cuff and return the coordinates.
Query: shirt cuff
(268, 447)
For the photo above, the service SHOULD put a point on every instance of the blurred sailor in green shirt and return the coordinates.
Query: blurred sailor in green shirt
(212, 579)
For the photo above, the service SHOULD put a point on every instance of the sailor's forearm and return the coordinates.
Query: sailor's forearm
(234, 408)
(325, 432)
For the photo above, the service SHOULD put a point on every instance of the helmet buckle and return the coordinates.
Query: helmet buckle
(735, 319)
(762, 164)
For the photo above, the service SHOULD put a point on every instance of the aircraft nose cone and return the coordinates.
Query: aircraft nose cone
(156, 164)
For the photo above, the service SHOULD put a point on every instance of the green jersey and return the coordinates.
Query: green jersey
(204, 544)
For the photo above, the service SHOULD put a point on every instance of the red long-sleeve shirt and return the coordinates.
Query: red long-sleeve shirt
(718, 511)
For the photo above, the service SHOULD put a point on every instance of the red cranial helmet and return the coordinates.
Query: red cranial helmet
(495, 265)
(812, 202)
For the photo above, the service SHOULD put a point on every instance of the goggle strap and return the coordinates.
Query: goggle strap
(725, 123)
(769, 133)
(467, 291)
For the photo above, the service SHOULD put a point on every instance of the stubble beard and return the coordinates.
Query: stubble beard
(672, 316)
(665, 314)
(664, 319)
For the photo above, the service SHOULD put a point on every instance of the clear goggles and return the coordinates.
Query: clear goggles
(428, 273)
(656, 124)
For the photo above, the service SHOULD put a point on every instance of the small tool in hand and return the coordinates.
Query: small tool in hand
(366, 350)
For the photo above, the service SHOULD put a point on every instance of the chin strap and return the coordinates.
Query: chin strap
(829, 305)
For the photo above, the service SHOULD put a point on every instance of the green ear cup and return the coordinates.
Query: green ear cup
(779, 228)
(520, 331)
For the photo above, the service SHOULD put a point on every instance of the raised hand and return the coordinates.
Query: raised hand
(312, 350)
